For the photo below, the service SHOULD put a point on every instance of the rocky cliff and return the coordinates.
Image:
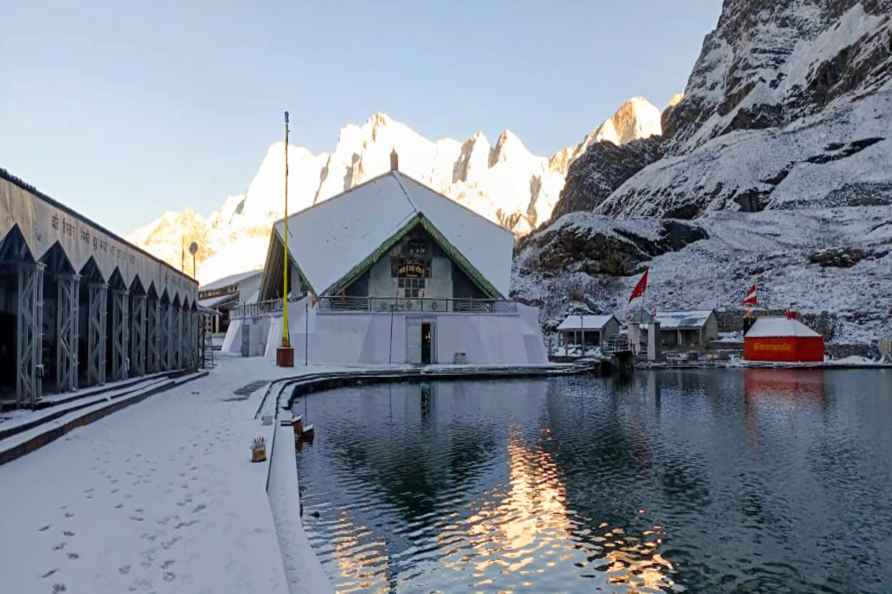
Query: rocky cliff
(778, 153)
(788, 106)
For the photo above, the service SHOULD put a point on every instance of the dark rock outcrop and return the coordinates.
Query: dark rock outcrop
(601, 170)
(584, 242)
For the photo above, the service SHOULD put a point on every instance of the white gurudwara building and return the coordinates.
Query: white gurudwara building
(391, 271)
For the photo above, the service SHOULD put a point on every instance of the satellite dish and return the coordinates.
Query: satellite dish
(193, 248)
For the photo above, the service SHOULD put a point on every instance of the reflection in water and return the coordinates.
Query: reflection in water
(700, 481)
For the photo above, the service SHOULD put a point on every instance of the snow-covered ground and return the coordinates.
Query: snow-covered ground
(158, 497)
(162, 497)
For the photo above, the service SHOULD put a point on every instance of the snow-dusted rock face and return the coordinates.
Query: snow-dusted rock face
(583, 262)
(596, 244)
(503, 181)
(780, 152)
(788, 106)
(603, 168)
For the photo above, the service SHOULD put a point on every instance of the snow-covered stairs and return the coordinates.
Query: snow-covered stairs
(59, 414)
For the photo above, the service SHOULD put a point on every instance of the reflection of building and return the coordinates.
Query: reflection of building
(782, 339)
(395, 272)
(588, 330)
(224, 294)
(783, 384)
(79, 305)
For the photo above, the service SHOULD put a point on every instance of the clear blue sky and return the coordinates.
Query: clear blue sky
(125, 109)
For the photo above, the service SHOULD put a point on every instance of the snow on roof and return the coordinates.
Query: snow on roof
(585, 322)
(217, 301)
(232, 279)
(329, 239)
(778, 328)
(681, 320)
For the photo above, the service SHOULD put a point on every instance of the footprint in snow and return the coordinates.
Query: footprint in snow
(199, 507)
(44, 528)
(59, 588)
(68, 533)
(49, 573)
(73, 556)
(59, 546)
(167, 563)
(124, 569)
(169, 576)
(69, 515)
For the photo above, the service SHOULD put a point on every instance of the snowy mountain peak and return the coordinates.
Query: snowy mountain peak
(635, 119)
(503, 182)
(675, 100)
(508, 147)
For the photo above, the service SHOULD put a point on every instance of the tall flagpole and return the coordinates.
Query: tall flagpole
(286, 338)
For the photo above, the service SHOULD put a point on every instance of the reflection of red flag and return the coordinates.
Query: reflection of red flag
(639, 289)
(751, 297)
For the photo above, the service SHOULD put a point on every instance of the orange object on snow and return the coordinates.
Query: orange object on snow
(784, 340)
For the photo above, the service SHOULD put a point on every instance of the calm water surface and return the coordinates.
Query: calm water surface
(675, 481)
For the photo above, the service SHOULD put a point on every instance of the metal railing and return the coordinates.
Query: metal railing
(618, 343)
(381, 305)
(260, 308)
(420, 304)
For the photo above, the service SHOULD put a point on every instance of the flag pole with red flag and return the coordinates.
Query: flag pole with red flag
(640, 288)
(752, 296)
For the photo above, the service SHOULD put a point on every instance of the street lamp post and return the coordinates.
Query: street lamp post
(285, 352)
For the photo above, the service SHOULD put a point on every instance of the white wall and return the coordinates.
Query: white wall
(364, 338)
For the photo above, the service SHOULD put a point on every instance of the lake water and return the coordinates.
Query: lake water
(697, 481)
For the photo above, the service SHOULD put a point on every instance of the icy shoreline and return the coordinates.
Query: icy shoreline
(161, 496)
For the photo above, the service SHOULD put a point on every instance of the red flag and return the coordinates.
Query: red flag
(751, 297)
(639, 289)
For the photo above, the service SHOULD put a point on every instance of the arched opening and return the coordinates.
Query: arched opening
(91, 325)
(153, 330)
(59, 347)
(176, 334)
(164, 345)
(21, 307)
(117, 334)
(138, 317)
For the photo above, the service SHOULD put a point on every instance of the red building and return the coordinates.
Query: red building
(782, 339)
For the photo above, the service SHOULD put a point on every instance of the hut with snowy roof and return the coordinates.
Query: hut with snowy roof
(391, 271)
(782, 339)
(691, 329)
(588, 330)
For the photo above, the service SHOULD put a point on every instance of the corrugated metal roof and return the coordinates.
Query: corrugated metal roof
(584, 322)
(218, 301)
(232, 279)
(683, 320)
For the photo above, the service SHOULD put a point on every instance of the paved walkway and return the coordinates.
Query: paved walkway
(159, 497)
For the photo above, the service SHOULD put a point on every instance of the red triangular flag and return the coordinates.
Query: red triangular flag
(639, 289)
(751, 296)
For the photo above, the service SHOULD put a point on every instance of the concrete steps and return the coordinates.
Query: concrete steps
(60, 415)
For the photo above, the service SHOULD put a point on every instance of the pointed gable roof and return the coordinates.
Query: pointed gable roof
(340, 237)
